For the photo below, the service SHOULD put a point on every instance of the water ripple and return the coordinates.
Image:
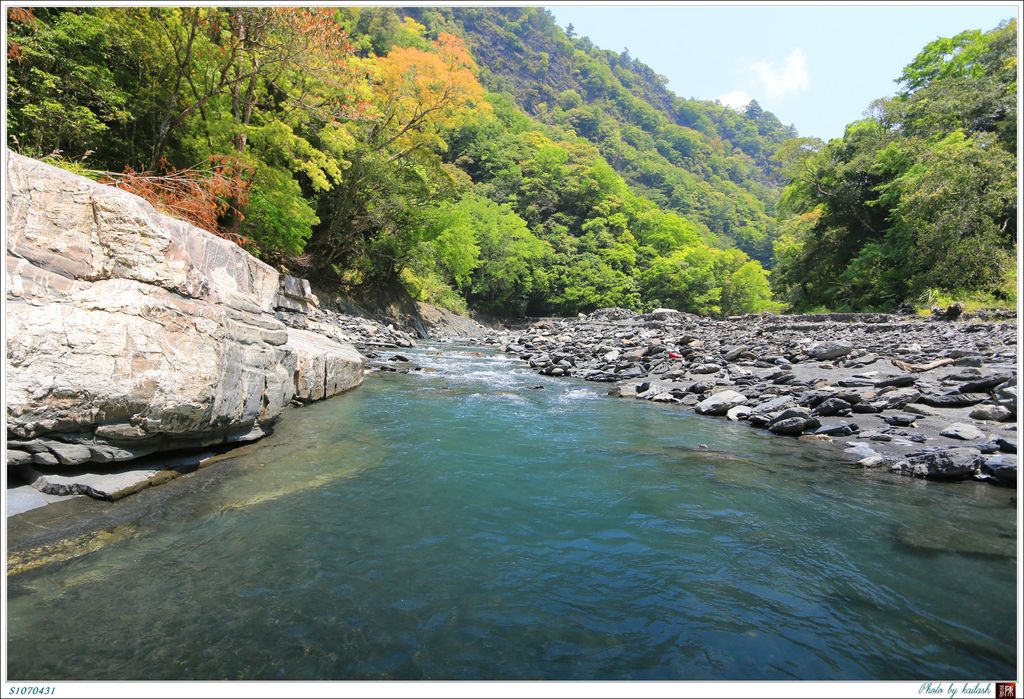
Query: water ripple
(454, 523)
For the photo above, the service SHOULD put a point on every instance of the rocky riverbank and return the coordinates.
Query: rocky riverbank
(929, 398)
(137, 342)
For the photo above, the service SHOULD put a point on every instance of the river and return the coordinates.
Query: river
(458, 523)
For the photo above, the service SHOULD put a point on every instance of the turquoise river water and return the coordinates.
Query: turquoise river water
(454, 523)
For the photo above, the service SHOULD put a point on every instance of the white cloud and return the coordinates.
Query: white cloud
(791, 79)
(737, 99)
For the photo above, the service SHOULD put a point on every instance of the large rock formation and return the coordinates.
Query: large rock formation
(130, 332)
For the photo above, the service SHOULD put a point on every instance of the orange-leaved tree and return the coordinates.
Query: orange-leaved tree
(394, 170)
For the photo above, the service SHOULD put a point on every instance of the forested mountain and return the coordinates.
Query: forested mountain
(484, 158)
(362, 146)
(918, 199)
(705, 161)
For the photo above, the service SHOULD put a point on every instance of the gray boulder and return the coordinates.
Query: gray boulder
(994, 413)
(838, 429)
(962, 430)
(953, 400)
(794, 425)
(832, 406)
(1002, 468)
(131, 332)
(900, 419)
(663, 313)
(720, 403)
(772, 405)
(738, 412)
(985, 384)
(833, 349)
(955, 463)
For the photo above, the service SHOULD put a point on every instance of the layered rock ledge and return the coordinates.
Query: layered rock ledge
(934, 399)
(131, 333)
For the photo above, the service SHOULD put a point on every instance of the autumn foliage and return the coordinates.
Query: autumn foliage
(203, 197)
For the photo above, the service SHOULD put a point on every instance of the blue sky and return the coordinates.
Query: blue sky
(816, 67)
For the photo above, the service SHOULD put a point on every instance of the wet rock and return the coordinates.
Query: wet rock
(738, 412)
(860, 450)
(117, 483)
(945, 537)
(955, 463)
(1002, 468)
(794, 425)
(793, 412)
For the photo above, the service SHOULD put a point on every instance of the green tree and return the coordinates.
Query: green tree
(920, 195)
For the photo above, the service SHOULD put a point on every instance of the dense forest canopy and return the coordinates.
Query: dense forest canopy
(707, 162)
(920, 196)
(485, 159)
